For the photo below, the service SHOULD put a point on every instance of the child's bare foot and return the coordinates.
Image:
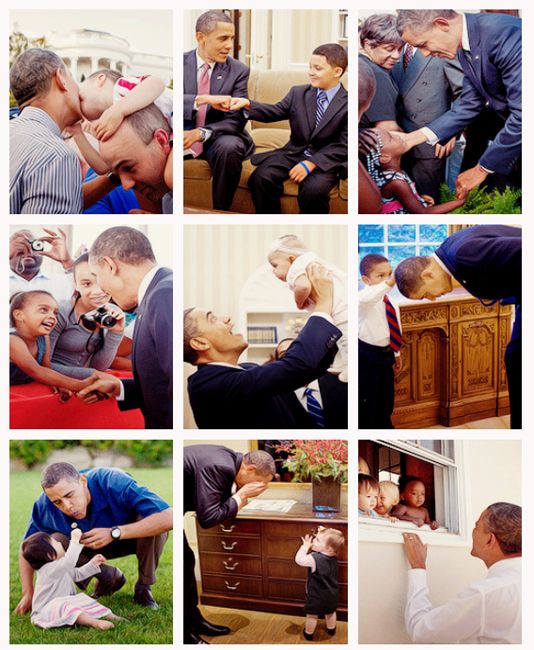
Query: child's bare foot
(103, 625)
(113, 617)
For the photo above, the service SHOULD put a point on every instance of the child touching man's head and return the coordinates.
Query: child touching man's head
(375, 269)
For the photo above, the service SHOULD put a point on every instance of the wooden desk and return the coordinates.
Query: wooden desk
(453, 361)
(249, 562)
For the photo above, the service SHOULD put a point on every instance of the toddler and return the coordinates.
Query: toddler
(412, 495)
(388, 497)
(368, 490)
(55, 602)
(399, 194)
(322, 585)
(290, 258)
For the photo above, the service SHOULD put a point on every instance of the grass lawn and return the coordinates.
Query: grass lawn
(144, 626)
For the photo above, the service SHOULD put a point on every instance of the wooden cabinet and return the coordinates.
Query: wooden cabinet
(453, 362)
(249, 562)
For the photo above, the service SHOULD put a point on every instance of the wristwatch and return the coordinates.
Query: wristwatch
(116, 532)
(203, 133)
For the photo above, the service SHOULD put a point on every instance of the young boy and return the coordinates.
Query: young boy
(368, 490)
(322, 589)
(379, 341)
(289, 259)
(316, 155)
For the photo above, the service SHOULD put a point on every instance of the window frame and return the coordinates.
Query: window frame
(417, 242)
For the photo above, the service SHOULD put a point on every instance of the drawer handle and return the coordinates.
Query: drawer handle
(228, 548)
(228, 567)
(232, 587)
(227, 530)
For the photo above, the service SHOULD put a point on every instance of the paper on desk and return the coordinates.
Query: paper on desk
(269, 505)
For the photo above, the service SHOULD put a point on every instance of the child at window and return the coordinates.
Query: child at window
(363, 467)
(388, 497)
(322, 584)
(368, 490)
(412, 495)
(55, 602)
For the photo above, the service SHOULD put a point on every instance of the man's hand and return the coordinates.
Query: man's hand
(410, 139)
(191, 137)
(75, 535)
(468, 180)
(18, 245)
(298, 173)
(58, 247)
(444, 150)
(97, 537)
(109, 122)
(415, 550)
(237, 103)
(25, 604)
(100, 385)
(397, 365)
(98, 559)
(250, 490)
(218, 102)
(322, 289)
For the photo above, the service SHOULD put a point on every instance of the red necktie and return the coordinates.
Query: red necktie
(408, 55)
(203, 88)
(395, 336)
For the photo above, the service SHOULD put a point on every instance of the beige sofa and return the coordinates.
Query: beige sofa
(268, 86)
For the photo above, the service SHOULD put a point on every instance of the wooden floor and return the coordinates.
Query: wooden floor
(261, 627)
(502, 422)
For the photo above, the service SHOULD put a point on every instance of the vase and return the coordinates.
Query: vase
(326, 494)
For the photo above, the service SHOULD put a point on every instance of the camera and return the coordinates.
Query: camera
(99, 316)
(36, 245)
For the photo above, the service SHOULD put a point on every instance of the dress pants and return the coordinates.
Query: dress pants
(426, 173)
(192, 615)
(225, 155)
(376, 386)
(267, 185)
(512, 360)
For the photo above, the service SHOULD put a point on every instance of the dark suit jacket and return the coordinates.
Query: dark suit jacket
(493, 75)
(327, 142)
(209, 473)
(334, 394)
(427, 89)
(229, 78)
(151, 387)
(486, 260)
(262, 397)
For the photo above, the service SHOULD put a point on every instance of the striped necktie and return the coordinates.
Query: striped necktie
(408, 56)
(203, 88)
(395, 336)
(320, 110)
(314, 408)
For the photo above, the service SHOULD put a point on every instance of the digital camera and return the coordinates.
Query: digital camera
(36, 245)
(99, 316)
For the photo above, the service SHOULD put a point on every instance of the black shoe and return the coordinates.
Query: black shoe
(143, 596)
(209, 629)
(108, 583)
(331, 630)
(191, 637)
(308, 636)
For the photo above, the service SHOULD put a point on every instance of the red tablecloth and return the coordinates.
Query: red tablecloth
(34, 406)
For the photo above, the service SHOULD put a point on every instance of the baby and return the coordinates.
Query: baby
(412, 495)
(368, 490)
(55, 602)
(388, 497)
(322, 585)
(290, 258)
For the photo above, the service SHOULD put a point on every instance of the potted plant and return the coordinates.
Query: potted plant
(324, 463)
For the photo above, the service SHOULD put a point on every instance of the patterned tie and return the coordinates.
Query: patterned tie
(314, 408)
(395, 336)
(408, 55)
(320, 110)
(203, 88)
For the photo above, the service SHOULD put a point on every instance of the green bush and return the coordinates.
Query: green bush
(483, 201)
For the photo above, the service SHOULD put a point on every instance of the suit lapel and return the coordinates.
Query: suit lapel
(190, 73)
(471, 61)
(219, 74)
(335, 105)
(416, 68)
(311, 106)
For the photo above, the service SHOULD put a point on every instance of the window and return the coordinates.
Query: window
(399, 242)
(434, 462)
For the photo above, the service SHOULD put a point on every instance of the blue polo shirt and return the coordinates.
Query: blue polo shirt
(116, 499)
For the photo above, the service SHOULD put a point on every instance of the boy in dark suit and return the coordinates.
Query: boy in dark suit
(316, 155)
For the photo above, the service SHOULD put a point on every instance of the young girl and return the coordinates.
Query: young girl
(412, 496)
(55, 602)
(34, 315)
(399, 194)
(322, 585)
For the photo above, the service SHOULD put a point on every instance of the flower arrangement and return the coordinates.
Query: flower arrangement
(316, 459)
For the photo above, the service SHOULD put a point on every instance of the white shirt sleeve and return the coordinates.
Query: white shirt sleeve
(373, 292)
(460, 618)
(303, 558)
(431, 137)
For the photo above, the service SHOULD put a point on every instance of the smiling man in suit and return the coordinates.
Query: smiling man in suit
(488, 47)
(211, 77)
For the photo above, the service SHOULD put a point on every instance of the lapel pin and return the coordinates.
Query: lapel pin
(219, 77)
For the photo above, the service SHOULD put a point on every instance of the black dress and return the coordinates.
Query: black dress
(322, 586)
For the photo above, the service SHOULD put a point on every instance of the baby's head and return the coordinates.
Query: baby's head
(375, 269)
(40, 548)
(283, 252)
(96, 93)
(37, 310)
(368, 489)
(328, 540)
(388, 497)
(412, 491)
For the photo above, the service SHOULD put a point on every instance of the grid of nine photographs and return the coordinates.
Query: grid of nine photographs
(295, 284)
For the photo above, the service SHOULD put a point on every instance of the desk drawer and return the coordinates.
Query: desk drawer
(286, 589)
(234, 527)
(230, 544)
(230, 564)
(229, 585)
(287, 569)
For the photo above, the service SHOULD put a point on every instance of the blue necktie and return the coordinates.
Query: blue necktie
(314, 408)
(320, 110)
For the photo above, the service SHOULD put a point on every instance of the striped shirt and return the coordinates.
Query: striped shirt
(45, 174)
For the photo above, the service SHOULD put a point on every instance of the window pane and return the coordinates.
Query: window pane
(399, 253)
(442, 447)
(370, 234)
(402, 233)
(365, 250)
(433, 233)
(427, 250)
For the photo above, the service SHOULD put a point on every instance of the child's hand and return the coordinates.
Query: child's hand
(307, 541)
(419, 522)
(64, 393)
(237, 103)
(75, 535)
(109, 122)
(98, 559)
(298, 173)
(429, 200)
(434, 525)
(392, 520)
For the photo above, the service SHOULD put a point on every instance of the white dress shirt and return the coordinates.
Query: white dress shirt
(60, 285)
(373, 326)
(316, 392)
(488, 611)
